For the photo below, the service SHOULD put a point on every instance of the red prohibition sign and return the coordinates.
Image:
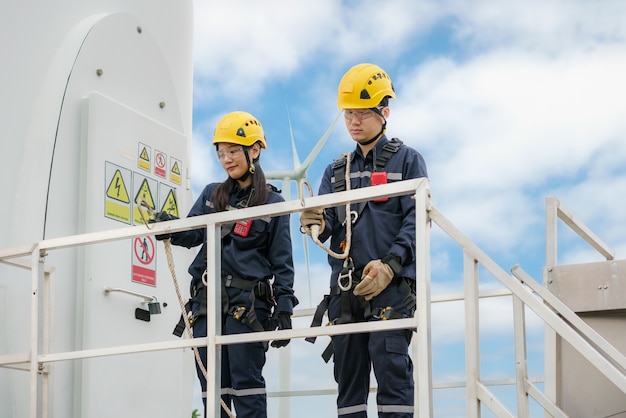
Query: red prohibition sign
(160, 159)
(144, 250)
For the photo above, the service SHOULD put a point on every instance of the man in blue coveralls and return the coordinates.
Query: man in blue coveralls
(377, 279)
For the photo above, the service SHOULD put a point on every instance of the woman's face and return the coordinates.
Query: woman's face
(233, 159)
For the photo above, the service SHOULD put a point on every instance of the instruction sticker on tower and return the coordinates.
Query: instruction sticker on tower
(167, 201)
(117, 200)
(175, 170)
(160, 163)
(143, 158)
(144, 189)
(144, 260)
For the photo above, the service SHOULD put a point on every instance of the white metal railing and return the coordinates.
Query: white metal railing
(39, 356)
(526, 292)
(556, 211)
(521, 288)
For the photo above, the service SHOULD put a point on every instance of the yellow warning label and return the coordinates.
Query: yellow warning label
(117, 211)
(117, 201)
(117, 189)
(170, 206)
(144, 158)
(175, 172)
(176, 169)
(144, 194)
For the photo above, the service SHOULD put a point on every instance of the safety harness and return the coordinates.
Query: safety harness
(339, 169)
(349, 277)
(261, 289)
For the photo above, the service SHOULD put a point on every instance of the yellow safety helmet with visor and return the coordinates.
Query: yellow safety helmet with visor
(239, 128)
(364, 86)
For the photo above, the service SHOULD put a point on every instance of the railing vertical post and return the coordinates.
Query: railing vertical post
(214, 320)
(550, 338)
(36, 331)
(521, 369)
(472, 335)
(422, 373)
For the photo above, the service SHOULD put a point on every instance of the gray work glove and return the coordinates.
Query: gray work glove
(375, 278)
(311, 217)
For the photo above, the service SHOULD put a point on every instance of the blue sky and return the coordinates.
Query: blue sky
(508, 102)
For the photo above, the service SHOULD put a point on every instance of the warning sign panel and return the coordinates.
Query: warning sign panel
(144, 261)
(169, 203)
(117, 204)
(160, 163)
(175, 171)
(144, 188)
(143, 160)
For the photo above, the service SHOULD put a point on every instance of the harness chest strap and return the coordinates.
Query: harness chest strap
(339, 170)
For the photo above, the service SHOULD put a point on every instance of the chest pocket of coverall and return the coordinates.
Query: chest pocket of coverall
(257, 235)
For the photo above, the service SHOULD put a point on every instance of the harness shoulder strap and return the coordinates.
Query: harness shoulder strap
(390, 148)
(339, 170)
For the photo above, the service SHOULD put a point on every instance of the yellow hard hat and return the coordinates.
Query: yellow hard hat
(239, 128)
(364, 86)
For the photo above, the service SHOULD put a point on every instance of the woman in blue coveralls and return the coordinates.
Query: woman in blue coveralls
(381, 259)
(257, 266)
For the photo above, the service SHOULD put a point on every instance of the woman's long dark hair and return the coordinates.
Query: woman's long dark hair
(259, 185)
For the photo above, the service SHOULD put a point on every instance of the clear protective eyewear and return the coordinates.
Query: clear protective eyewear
(350, 114)
(231, 152)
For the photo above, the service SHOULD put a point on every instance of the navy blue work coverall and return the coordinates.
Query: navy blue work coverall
(382, 228)
(265, 253)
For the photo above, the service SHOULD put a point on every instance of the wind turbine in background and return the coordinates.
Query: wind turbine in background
(298, 174)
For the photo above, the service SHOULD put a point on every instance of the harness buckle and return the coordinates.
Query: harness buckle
(264, 289)
(346, 272)
(383, 313)
(238, 312)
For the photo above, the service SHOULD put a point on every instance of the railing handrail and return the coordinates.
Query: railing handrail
(604, 358)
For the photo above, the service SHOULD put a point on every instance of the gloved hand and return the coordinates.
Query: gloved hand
(312, 217)
(375, 278)
(162, 217)
(282, 320)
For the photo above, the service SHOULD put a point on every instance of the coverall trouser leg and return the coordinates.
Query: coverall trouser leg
(242, 382)
(385, 351)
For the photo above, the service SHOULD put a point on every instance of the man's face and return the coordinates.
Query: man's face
(363, 124)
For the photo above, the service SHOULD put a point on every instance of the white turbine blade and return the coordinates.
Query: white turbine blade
(299, 170)
(318, 147)
(296, 160)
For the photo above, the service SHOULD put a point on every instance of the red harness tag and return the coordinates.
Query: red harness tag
(242, 228)
(379, 177)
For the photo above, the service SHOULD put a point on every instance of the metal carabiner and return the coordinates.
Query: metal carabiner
(346, 272)
(354, 215)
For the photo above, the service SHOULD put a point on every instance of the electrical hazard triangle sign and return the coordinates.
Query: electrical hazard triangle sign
(117, 204)
(117, 188)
